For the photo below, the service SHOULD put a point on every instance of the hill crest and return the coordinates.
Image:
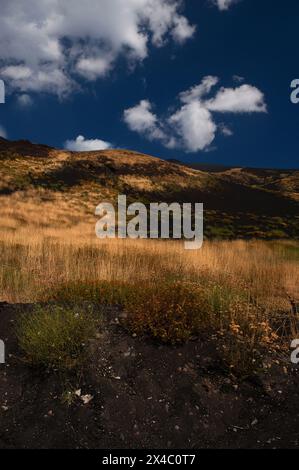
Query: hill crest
(239, 203)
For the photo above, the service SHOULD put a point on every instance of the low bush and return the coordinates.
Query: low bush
(55, 337)
(174, 312)
(170, 312)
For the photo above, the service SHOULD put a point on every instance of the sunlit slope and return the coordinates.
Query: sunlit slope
(40, 185)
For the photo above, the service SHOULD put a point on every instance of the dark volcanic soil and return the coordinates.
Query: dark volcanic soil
(144, 396)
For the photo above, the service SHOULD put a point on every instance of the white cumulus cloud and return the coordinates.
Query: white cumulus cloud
(225, 130)
(24, 100)
(45, 44)
(141, 119)
(244, 99)
(93, 68)
(224, 4)
(80, 144)
(199, 91)
(193, 126)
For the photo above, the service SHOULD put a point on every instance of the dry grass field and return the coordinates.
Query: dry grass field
(244, 291)
(34, 261)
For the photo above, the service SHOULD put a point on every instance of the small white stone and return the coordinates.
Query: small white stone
(86, 399)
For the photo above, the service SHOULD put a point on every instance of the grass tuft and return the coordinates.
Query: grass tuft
(56, 338)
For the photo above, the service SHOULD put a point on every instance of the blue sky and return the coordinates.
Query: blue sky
(117, 76)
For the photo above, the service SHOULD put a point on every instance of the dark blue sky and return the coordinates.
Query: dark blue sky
(254, 39)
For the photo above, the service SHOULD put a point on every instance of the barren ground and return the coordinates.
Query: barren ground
(144, 396)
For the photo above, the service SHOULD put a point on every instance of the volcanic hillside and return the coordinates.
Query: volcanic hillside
(44, 186)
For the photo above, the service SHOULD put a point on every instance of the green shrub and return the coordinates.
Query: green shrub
(55, 337)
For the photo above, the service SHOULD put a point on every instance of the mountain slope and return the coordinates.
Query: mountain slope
(44, 186)
(285, 181)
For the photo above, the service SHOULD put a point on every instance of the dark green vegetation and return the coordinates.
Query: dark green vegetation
(56, 337)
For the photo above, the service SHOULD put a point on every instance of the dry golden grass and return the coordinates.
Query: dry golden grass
(34, 259)
(244, 291)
